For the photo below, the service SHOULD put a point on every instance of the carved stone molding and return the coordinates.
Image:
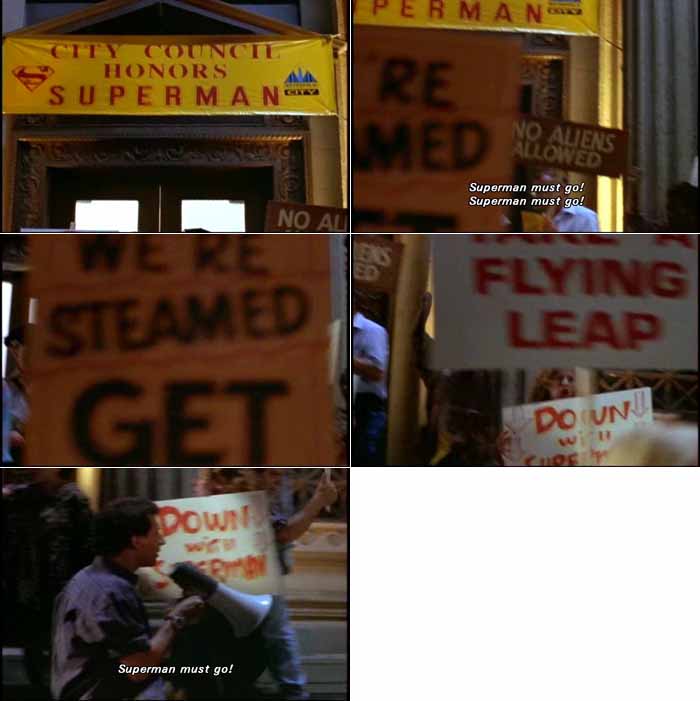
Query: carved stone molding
(15, 255)
(546, 76)
(283, 153)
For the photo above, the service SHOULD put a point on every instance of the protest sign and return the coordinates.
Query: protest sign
(557, 16)
(229, 537)
(578, 300)
(375, 263)
(572, 432)
(426, 123)
(584, 148)
(291, 216)
(183, 75)
(180, 350)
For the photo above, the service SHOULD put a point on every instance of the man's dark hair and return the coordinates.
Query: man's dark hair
(120, 521)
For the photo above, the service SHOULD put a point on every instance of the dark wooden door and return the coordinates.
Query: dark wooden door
(160, 193)
(67, 187)
(251, 186)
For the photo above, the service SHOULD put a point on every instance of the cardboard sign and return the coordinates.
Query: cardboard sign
(585, 148)
(375, 263)
(291, 216)
(566, 300)
(426, 123)
(572, 432)
(167, 75)
(557, 16)
(180, 350)
(229, 537)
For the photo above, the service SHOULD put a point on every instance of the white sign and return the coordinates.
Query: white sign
(570, 432)
(229, 537)
(566, 300)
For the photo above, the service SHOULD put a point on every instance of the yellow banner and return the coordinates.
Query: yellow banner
(167, 75)
(555, 16)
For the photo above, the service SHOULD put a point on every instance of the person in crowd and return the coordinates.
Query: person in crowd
(553, 384)
(558, 218)
(15, 398)
(289, 525)
(463, 407)
(657, 445)
(47, 539)
(370, 365)
(99, 619)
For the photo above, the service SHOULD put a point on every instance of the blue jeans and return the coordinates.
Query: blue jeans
(283, 656)
(369, 434)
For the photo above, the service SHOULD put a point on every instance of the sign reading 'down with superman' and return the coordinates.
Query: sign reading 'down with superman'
(167, 75)
(228, 537)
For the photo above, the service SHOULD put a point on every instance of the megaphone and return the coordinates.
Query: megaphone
(245, 612)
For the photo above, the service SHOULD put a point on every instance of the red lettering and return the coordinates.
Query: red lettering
(271, 95)
(407, 8)
(667, 239)
(172, 95)
(143, 93)
(555, 326)
(221, 522)
(135, 70)
(57, 92)
(520, 284)
(239, 96)
(642, 327)
(503, 13)
(378, 5)
(668, 286)
(534, 14)
(207, 98)
(601, 329)
(113, 70)
(437, 9)
(515, 338)
(87, 100)
(169, 519)
(116, 92)
(467, 11)
(558, 273)
(484, 274)
(545, 419)
(187, 517)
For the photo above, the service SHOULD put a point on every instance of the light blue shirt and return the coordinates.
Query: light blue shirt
(576, 219)
(370, 343)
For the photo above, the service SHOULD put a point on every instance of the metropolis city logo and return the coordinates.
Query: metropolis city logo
(565, 7)
(301, 82)
(32, 77)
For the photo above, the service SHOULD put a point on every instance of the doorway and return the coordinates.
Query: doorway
(152, 200)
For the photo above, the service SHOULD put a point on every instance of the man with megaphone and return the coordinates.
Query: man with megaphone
(103, 647)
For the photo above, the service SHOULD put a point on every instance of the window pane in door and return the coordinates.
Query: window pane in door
(107, 215)
(227, 216)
